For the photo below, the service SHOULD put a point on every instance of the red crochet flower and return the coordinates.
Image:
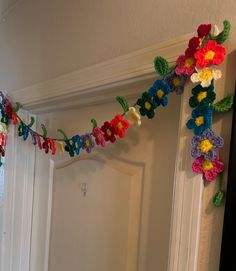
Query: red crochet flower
(211, 53)
(2, 139)
(108, 130)
(120, 125)
(203, 30)
(193, 45)
(2, 151)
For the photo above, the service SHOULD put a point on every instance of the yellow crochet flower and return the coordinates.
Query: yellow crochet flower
(60, 146)
(133, 116)
(3, 128)
(206, 75)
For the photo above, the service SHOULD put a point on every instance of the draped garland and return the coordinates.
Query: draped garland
(199, 63)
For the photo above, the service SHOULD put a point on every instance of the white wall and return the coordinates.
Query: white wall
(43, 39)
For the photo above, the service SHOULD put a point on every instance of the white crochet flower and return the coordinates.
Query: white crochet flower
(206, 75)
(133, 116)
(216, 30)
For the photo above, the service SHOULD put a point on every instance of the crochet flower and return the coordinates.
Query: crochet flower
(203, 30)
(210, 54)
(52, 145)
(76, 144)
(200, 121)
(120, 126)
(60, 146)
(193, 44)
(99, 136)
(176, 82)
(147, 105)
(69, 147)
(206, 145)
(34, 141)
(108, 130)
(87, 142)
(23, 130)
(2, 152)
(206, 75)
(159, 92)
(46, 144)
(209, 169)
(133, 116)
(185, 64)
(202, 97)
(2, 139)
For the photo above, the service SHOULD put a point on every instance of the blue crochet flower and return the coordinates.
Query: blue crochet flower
(200, 121)
(159, 92)
(23, 130)
(76, 144)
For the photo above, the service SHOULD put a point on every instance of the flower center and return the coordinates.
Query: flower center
(189, 62)
(201, 96)
(109, 132)
(205, 145)
(76, 145)
(207, 165)
(119, 125)
(199, 120)
(87, 143)
(160, 93)
(176, 81)
(147, 105)
(209, 55)
(205, 74)
(133, 117)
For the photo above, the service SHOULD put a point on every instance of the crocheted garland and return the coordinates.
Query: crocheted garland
(199, 63)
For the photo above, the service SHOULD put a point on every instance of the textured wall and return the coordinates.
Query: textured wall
(40, 40)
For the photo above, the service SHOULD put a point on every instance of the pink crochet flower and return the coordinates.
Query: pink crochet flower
(209, 169)
(185, 64)
(99, 136)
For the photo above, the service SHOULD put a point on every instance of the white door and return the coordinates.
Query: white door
(109, 210)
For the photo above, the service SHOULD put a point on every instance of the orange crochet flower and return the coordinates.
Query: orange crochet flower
(211, 53)
(120, 126)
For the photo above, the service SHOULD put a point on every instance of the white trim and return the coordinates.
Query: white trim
(123, 75)
(187, 201)
(18, 203)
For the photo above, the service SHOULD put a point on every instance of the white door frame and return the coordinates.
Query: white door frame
(127, 76)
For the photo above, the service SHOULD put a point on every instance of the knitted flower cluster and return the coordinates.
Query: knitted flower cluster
(202, 57)
(200, 62)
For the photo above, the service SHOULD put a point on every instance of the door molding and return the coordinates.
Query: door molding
(18, 202)
(128, 76)
(125, 75)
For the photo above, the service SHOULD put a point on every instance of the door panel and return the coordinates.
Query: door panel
(94, 208)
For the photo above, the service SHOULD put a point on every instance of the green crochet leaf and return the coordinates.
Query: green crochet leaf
(32, 121)
(224, 105)
(161, 66)
(123, 102)
(94, 123)
(223, 36)
(218, 199)
(63, 133)
(17, 107)
(44, 130)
